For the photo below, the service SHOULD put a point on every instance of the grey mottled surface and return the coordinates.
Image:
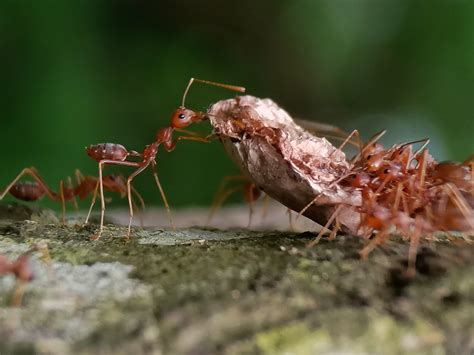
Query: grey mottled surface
(232, 291)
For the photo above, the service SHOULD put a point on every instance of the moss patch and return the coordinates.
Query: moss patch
(211, 291)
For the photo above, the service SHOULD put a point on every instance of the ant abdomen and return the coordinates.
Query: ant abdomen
(27, 191)
(251, 192)
(458, 174)
(109, 151)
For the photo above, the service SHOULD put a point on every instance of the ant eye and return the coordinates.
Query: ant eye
(182, 116)
(369, 156)
(386, 171)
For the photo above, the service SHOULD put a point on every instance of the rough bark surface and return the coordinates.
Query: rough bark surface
(207, 291)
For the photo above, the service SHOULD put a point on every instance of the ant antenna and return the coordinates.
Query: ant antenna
(225, 86)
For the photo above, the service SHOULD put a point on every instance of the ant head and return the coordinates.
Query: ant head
(183, 117)
(390, 171)
(359, 179)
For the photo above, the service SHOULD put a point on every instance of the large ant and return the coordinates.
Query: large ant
(116, 154)
(85, 185)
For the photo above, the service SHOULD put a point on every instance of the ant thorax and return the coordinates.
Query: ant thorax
(164, 134)
(150, 151)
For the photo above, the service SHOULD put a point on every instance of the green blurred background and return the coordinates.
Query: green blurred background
(80, 72)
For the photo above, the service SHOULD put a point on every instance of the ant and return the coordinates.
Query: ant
(37, 189)
(21, 269)
(251, 193)
(116, 154)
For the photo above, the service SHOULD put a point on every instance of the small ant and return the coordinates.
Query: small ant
(251, 193)
(85, 185)
(21, 269)
(116, 154)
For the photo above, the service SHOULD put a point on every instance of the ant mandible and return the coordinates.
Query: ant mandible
(115, 154)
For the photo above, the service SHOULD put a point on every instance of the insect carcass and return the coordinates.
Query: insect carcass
(287, 162)
(402, 190)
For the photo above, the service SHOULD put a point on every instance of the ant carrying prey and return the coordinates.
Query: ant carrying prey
(116, 154)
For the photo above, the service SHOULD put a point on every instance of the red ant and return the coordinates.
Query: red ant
(382, 175)
(251, 193)
(115, 154)
(36, 190)
(21, 269)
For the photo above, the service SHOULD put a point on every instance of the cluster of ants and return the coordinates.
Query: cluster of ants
(116, 154)
(406, 191)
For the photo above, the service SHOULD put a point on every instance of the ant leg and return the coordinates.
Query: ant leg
(371, 141)
(193, 138)
(248, 192)
(94, 197)
(352, 134)
(219, 200)
(226, 180)
(163, 196)
(414, 241)
(266, 198)
(419, 150)
(405, 204)
(74, 199)
(378, 238)
(129, 195)
(398, 194)
(35, 175)
(134, 205)
(101, 188)
(102, 201)
(325, 228)
(209, 137)
(334, 231)
(63, 202)
(185, 131)
(290, 219)
(325, 130)
(142, 204)
(171, 146)
(313, 201)
(79, 176)
(250, 214)
(382, 185)
(422, 170)
(18, 293)
(460, 203)
(221, 190)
